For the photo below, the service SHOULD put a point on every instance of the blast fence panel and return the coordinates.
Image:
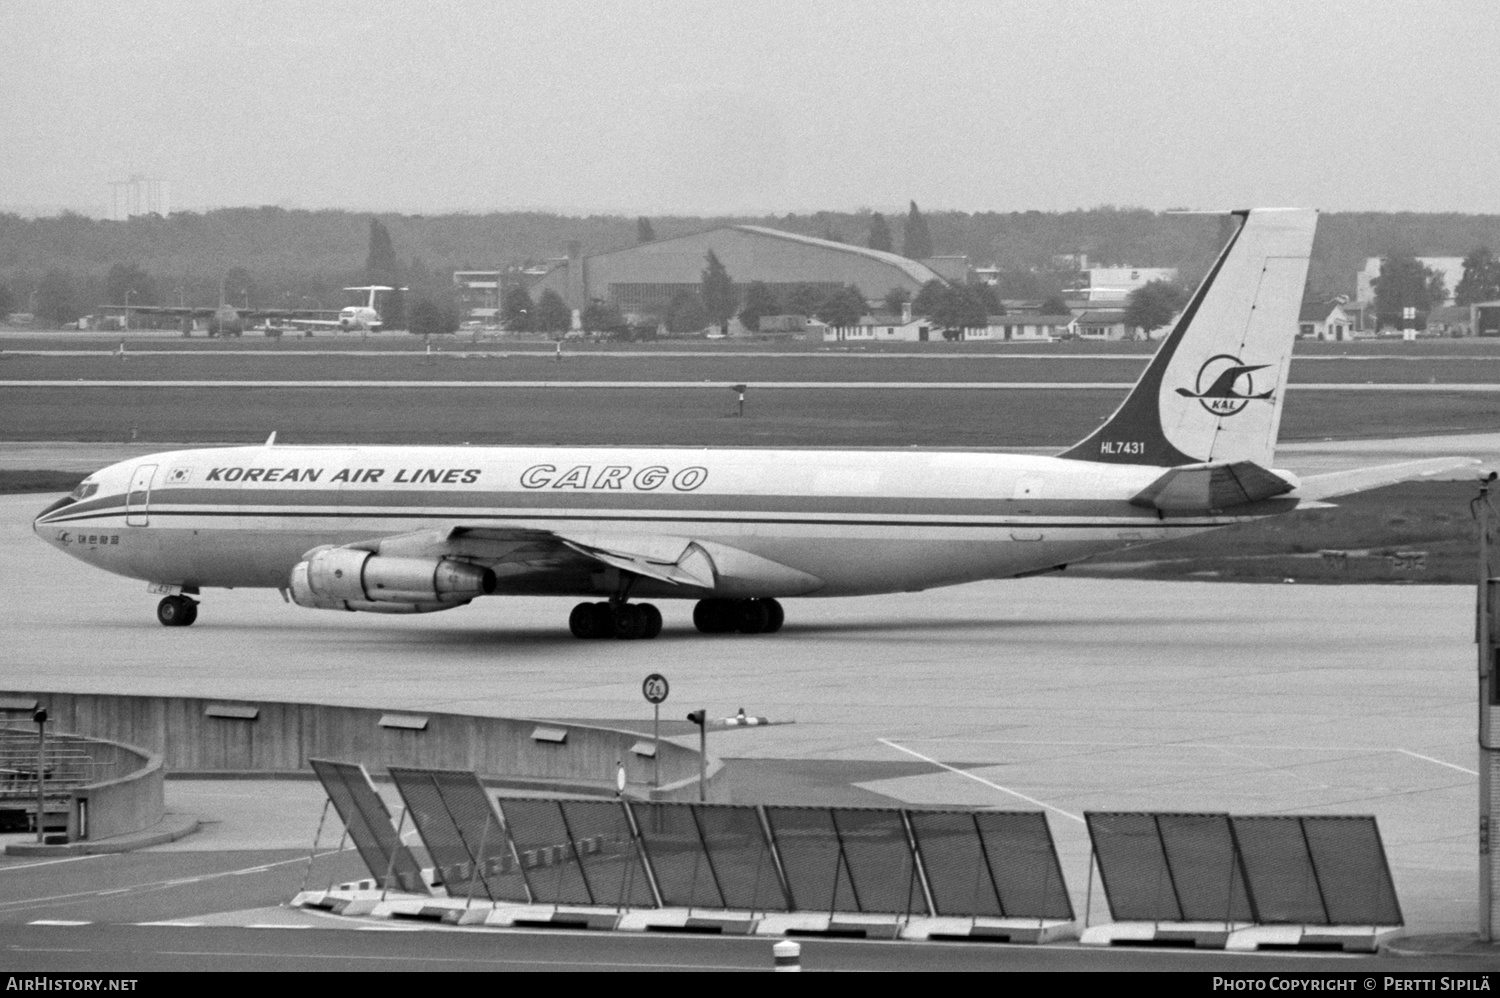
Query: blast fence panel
(954, 861)
(1352, 870)
(878, 856)
(679, 858)
(742, 858)
(548, 858)
(461, 831)
(1133, 867)
(600, 833)
(1023, 862)
(1205, 867)
(817, 874)
(364, 814)
(1280, 871)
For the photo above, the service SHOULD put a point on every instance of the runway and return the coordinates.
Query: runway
(1053, 693)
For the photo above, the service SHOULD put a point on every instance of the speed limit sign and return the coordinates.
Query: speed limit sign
(655, 688)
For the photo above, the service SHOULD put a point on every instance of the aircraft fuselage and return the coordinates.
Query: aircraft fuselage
(858, 522)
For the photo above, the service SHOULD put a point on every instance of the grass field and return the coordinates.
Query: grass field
(677, 417)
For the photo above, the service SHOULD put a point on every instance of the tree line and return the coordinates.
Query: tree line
(61, 266)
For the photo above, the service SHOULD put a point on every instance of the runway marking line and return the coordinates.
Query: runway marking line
(58, 921)
(48, 862)
(158, 884)
(175, 925)
(1370, 749)
(979, 779)
(1439, 762)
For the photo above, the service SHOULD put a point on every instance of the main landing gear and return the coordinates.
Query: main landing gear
(177, 611)
(747, 616)
(626, 621)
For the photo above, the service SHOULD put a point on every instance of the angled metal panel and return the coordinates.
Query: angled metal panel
(1133, 867)
(462, 832)
(743, 859)
(817, 872)
(1205, 867)
(1023, 863)
(1354, 878)
(878, 857)
(602, 840)
(674, 846)
(542, 841)
(365, 815)
(953, 856)
(1279, 869)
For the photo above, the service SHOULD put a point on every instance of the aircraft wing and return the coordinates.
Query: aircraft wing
(299, 321)
(516, 553)
(1342, 483)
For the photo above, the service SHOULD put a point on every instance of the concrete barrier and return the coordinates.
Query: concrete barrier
(196, 736)
(131, 801)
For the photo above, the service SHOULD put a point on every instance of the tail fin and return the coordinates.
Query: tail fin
(1214, 390)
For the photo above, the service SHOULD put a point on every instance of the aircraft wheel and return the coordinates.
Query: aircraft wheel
(176, 611)
(587, 622)
(714, 616)
(653, 620)
(753, 617)
(629, 622)
(775, 616)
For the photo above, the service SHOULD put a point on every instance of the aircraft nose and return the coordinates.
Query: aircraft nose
(41, 518)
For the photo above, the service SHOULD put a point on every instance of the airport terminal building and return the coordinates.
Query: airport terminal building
(643, 279)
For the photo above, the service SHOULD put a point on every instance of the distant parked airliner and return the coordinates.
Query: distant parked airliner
(420, 529)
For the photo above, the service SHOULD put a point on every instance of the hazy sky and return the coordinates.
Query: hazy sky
(754, 105)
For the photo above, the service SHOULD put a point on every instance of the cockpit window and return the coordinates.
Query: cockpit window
(84, 490)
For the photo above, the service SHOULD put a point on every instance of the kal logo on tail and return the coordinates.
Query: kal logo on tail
(1225, 375)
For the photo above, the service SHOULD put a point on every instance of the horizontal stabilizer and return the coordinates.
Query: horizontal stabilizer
(1204, 487)
(1343, 483)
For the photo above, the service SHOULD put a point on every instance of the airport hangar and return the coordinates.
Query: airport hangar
(643, 279)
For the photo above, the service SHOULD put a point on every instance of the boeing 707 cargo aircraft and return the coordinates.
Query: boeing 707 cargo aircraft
(421, 529)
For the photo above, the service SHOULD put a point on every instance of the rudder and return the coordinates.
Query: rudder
(1214, 390)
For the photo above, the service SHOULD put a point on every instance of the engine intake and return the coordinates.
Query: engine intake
(351, 579)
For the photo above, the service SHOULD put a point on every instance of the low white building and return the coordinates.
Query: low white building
(878, 329)
(1035, 328)
(1325, 321)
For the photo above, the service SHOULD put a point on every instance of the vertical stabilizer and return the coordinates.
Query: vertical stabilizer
(1213, 391)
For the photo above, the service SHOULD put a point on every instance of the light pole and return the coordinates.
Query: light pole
(700, 718)
(40, 717)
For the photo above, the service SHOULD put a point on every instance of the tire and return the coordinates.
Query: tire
(629, 622)
(716, 616)
(586, 622)
(776, 615)
(653, 620)
(753, 617)
(192, 614)
(174, 611)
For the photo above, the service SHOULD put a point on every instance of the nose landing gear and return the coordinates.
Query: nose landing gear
(177, 611)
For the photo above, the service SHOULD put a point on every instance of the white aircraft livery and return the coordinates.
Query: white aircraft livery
(421, 529)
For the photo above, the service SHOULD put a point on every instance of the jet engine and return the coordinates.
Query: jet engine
(350, 579)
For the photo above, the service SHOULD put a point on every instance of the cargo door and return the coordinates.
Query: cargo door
(138, 498)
